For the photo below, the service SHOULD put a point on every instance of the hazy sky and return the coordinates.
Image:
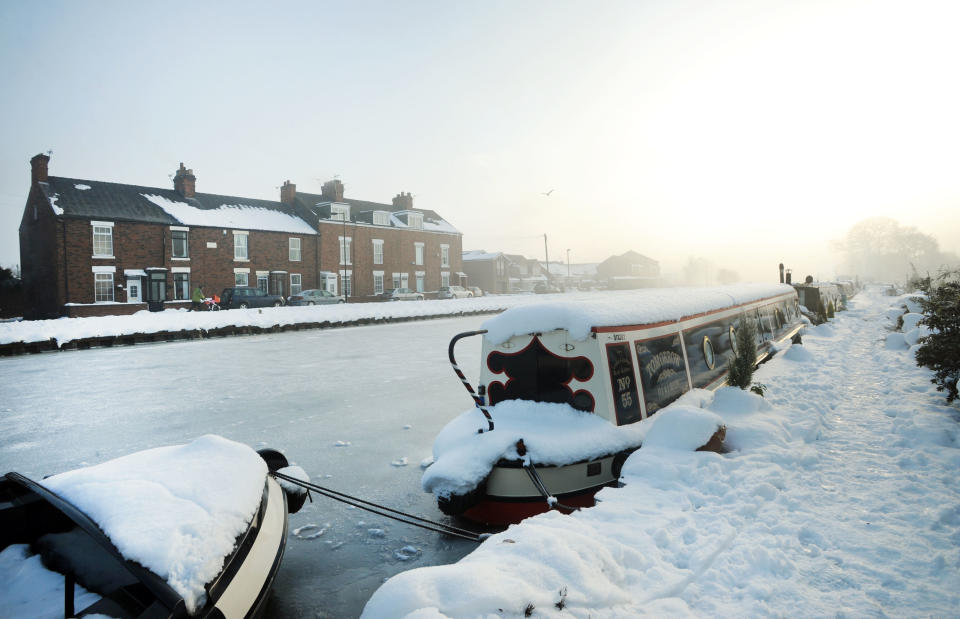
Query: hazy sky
(748, 133)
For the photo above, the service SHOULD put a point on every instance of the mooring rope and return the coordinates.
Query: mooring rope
(381, 510)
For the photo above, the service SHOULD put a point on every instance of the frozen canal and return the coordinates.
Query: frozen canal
(348, 405)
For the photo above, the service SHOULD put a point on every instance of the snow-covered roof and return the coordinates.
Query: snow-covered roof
(240, 216)
(479, 254)
(578, 315)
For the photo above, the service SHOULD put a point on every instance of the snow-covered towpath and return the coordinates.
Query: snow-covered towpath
(839, 499)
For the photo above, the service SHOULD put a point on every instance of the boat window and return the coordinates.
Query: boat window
(626, 402)
(708, 353)
(708, 350)
(537, 374)
(663, 373)
(733, 340)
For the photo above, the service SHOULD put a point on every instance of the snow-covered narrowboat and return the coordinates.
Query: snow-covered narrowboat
(194, 530)
(563, 386)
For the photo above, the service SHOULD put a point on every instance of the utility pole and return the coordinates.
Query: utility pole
(547, 256)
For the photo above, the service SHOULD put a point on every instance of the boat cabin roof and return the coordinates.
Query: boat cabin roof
(582, 315)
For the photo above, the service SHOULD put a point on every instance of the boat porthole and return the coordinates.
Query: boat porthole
(708, 352)
(733, 340)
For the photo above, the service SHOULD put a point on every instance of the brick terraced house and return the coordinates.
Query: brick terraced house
(93, 248)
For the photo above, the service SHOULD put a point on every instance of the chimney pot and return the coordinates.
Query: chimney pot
(288, 193)
(38, 168)
(184, 182)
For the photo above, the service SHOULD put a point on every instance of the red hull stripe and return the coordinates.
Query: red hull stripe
(493, 512)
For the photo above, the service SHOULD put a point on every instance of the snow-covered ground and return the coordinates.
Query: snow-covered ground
(839, 498)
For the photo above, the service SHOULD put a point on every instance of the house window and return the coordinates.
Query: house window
(180, 247)
(404, 280)
(396, 280)
(295, 283)
(103, 287)
(377, 282)
(444, 278)
(377, 251)
(181, 286)
(102, 239)
(345, 242)
(381, 218)
(262, 280)
(339, 213)
(240, 247)
(444, 255)
(347, 278)
(415, 221)
(241, 279)
(294, 250)
(418, 253)
(420, 277)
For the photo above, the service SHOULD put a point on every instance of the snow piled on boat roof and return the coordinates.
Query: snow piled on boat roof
(635, 307)
(238, 216)
(175, 510)
(554, 434)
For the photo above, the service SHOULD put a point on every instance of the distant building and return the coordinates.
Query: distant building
(629, 270)
(488, 270)
(97, 248)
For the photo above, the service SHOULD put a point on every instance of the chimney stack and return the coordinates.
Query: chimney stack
(288, 192)
(403, 201)
(38, 168)
(333, 191)
(185, 183)
(781, 272)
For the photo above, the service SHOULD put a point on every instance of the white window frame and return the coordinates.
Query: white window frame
(103, 276)
(381, 218)
(241, 277)
(263, 276)
(415, 220)
(346, 282)
(445, 255)
(245, 235)
(345, 243)
(378, 251)
(418, 254)
(295, 245)
(377, 282)
(396, 280)
(340, 212)
(98, 228)
(404, 280)
(444, 279)
(187, 291)
(420, 281)
(296, 283)
(186, 243)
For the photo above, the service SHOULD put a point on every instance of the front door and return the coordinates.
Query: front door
(134, 290)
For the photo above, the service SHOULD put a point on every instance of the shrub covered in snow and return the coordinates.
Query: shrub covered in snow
(940, 349)
(741, 367)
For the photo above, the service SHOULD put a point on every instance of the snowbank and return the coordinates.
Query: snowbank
(839, 496)
(175, 510)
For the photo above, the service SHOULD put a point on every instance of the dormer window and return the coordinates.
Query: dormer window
(381, 218)
(415, 221)
(340, 212)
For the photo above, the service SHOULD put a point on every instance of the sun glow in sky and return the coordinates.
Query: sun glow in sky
(747, 133)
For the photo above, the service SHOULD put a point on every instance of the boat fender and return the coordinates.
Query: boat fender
(276, 461)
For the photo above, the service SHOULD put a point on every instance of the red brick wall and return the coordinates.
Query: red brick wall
(398, 255)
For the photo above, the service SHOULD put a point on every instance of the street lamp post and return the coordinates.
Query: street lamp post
(568, 266)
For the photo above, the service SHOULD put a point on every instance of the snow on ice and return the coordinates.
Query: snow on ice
(176, 510)
(839, 498)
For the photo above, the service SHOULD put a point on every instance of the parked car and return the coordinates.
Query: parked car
(401, 294)
(543, 288)
(477, 292)
(314, 297)
(454, 292)
(247, 296)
